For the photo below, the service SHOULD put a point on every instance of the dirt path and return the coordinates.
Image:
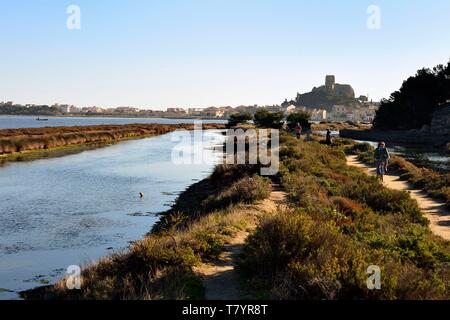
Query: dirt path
(221, 279)
(434, 211)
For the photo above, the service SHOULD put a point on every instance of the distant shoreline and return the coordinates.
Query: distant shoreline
(136, 116)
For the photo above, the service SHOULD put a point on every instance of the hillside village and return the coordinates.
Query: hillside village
(330, 102)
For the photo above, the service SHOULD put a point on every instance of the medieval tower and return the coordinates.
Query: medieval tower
(330, 82)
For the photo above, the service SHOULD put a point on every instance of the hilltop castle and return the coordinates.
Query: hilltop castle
(330, 83)
(328, 95)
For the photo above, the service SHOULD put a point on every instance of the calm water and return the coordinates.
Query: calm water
(75, 209)
(8, 122)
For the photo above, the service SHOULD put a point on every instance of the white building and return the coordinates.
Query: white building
(290, 109)
(319, 115)
(194, 111)
(65, 108)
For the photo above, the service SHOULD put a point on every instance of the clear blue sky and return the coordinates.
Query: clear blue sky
(161, 53)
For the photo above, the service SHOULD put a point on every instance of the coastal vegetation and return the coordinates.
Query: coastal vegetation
(413, 105)
(340, 222)
(301, 117)
(436, 184)
(239, 118)
(9, 108)
(266, 119)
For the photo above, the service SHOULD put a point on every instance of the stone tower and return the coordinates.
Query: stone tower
(330, 82)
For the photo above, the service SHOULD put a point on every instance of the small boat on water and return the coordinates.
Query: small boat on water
(39, 119)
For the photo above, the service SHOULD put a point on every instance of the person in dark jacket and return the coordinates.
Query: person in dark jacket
(381, 156)
(328, 140)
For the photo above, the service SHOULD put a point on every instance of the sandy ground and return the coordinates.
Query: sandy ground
(433, 210)
(221, 279)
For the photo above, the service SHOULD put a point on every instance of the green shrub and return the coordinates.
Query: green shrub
(237, 118)
(359, 148)
(266, 119)
(301, 117)
(343, 222)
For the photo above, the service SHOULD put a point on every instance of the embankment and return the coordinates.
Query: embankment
(410, 137)
(204, 218)
(31, 139)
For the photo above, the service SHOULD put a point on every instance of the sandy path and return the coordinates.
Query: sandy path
(221, 279)
(433, 210)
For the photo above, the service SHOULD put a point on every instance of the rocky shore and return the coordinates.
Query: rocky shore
(437, 134)
(410, 137)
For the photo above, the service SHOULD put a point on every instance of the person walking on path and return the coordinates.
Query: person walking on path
(381, 156)
(328, 140)
(298, 130)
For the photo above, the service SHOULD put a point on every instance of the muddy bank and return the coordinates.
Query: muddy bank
(31, 139)
(409, 137)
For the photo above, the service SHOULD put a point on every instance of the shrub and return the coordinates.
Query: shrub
(246, 190)
(301, 117)
(266, 119)
(237, 118)
(343, 222)
(359, 148)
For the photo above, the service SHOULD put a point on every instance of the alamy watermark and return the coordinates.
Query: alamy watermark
(374, 278)
(73, 279)
(74, 17)
(374, 20)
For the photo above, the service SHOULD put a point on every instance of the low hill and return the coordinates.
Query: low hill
(327, 96)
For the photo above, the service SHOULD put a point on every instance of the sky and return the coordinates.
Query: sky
(155, 54)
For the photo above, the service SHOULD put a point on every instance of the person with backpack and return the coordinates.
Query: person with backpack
(381, 157)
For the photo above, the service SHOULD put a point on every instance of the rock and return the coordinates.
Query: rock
(440, 124)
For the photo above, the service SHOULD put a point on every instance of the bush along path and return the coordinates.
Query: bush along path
(340, 221)
(220, 277)
(436, 212)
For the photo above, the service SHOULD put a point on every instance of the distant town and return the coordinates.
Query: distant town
(330, 102)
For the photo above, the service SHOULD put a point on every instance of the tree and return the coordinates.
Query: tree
(266, 119)
(413, 105)
(301, 117)
(242, 117)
